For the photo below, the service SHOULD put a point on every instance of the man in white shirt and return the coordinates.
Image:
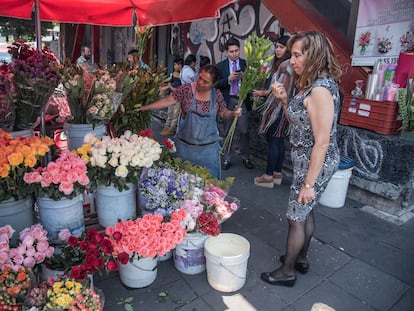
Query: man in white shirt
(188, 74)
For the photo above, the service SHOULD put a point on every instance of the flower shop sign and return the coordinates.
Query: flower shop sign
(384, 29)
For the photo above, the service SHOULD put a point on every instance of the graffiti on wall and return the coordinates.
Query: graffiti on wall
(208, 36)
(367, 154)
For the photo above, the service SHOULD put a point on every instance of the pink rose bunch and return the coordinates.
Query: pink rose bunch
(206, 212)
(222, 205)
(148, 236)
(65, 177)
(33, 247)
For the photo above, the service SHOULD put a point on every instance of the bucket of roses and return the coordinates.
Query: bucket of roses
(138, 243)
(114, 169)
(80, 258)
(64, 294)
(205, 213)
(18, 156)
(59, 189)
(19, 261)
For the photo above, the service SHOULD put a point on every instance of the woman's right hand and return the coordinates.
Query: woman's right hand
(279, 91)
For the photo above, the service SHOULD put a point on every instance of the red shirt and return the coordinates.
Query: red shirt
(184, 95)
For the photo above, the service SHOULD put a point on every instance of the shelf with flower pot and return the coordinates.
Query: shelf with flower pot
(114, 168)
(18, 156)
(138, 243)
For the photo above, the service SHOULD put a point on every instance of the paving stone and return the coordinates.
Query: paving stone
(332, 295)
(406, 303)
(373, 287)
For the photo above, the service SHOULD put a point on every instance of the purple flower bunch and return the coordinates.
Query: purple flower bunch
(166, 188)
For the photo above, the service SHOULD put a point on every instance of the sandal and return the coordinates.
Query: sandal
(264, 181)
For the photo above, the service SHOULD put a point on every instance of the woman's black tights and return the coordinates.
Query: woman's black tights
(299, 236)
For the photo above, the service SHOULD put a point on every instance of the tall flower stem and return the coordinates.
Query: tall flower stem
(255, 49)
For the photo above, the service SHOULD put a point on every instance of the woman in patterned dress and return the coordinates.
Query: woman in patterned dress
(313, 114)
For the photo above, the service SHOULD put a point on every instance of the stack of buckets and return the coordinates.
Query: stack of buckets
(335, 193)
(226, 261)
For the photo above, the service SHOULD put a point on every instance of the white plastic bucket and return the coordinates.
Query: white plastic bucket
(189, 254)
(335, 193)
(18, 214)
(141, 272)
(61, 214)
(48, 273)
(75, 133)
(226, 261)
(22, 133)
(112, 204)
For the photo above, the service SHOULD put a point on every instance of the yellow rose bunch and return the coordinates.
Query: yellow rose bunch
(18, 156)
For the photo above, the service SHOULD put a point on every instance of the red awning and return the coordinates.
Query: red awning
(115, 12)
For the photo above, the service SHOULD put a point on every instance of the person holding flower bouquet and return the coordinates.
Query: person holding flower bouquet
(313, 114)
(274, 123)
(197, 138)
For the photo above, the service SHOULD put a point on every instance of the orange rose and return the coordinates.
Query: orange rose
(30, 161)
(21, 276)
(13, 291)
(24, 149)
(15, 158)
(42, 149)
(4, 170)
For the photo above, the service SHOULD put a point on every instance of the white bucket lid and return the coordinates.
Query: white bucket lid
(227, 248)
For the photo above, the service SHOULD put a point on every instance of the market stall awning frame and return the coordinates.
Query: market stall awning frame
(115, 12)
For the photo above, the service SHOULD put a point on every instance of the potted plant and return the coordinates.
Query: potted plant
(82, 257)
(148, 81)
(90, 98)
(114, 168)
(31, 249)
(205, 213)
(65, 294)
(138, 243)
(60, 186)
(35, 76)
(18, 156)
(15, 287)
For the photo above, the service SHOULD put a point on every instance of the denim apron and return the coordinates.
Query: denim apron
(197, 138)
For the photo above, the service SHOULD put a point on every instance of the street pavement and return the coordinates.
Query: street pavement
(358, 262)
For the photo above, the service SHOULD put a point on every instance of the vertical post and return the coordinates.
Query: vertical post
(37, 26)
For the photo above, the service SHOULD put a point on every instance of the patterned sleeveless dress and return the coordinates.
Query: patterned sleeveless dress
(302, 140)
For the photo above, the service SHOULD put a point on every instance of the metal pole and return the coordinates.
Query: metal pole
(37, 25)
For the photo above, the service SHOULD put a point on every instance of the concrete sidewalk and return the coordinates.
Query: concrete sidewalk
(358, 262)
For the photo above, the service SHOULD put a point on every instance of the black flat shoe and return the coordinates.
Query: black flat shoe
(302, 267)
(226, 165)
(283, 281)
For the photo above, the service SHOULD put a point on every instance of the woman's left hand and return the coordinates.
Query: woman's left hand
(306, 195)
(237, 112)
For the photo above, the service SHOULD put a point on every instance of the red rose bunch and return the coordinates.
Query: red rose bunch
(208, 224)
(95, 249)
(87, 254)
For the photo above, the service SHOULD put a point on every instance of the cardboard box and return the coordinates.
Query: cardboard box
(380, 117)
